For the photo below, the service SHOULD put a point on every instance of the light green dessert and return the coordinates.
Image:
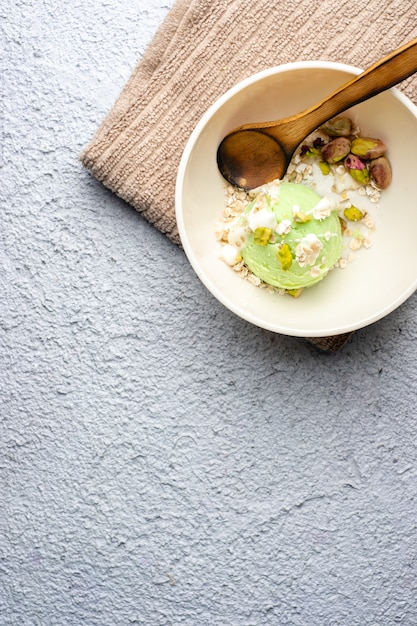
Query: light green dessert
(288, 236)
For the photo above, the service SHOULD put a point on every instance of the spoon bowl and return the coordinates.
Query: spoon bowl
(264, 158)
(257, 153)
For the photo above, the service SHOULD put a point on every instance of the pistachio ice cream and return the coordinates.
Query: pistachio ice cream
(288, 236)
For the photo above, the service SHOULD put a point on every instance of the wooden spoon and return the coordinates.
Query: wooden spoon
(254, 154)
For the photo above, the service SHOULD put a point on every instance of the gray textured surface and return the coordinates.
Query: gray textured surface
(163, 462)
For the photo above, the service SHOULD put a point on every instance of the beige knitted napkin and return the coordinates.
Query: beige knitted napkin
(202, 49)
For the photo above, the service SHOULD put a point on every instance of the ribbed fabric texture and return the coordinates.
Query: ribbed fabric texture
(202, 49)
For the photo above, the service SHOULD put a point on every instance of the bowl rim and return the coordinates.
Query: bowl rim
(185, 243)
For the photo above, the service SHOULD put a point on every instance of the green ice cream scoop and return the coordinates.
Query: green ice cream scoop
(294, 236)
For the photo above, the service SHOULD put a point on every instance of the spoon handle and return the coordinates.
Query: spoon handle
(384, 74)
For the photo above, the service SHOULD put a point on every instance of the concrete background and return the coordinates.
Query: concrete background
(163, 462)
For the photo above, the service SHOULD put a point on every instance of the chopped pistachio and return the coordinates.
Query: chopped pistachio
(295, 293)
(353, 214)
(312, 152)
(262, 236)
(324, 167)
(301, 217)
(284, 256)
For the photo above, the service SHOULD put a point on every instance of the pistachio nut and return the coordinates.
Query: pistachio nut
(261, 235)
(295, 293)
(324, 168)
(353, 214)
(338, 127)
(284, 256)
(357, 169)
(381, 173)
(301, 217)
(313, 152)
(368, 148)
(336, 150)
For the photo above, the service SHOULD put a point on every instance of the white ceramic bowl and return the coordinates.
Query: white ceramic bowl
(379, 279)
